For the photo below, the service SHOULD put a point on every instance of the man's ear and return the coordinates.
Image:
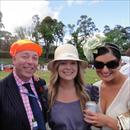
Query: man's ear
(13, 59)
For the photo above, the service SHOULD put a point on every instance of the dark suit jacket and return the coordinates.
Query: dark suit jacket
(12, 112)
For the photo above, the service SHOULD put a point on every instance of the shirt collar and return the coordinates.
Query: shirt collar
(19, 81)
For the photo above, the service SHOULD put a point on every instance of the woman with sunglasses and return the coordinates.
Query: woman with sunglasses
(114, 98)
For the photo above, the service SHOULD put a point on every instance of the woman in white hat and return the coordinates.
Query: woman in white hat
(67, 95)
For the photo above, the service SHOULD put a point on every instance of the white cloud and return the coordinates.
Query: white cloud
(80, 2)
(19, 13)
(71, 2)
(96, 1)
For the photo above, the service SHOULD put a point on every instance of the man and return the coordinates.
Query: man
(16, 111)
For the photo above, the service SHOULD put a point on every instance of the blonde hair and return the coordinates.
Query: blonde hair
(79, 84)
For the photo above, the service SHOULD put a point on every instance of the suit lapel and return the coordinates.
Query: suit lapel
(16, 100)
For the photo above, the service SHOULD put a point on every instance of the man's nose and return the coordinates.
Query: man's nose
(30, 60)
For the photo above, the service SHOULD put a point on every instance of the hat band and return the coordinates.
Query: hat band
(66, 56)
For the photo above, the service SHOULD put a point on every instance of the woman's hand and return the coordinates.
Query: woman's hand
(98, 119)
(94, 118)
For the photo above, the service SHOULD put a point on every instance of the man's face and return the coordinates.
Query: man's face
(25, 63)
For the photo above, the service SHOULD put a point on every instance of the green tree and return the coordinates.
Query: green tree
(84, 28)
(106, 29)
(5, 37)
(6, 40)
(74, 34)
(36, 22)
(20, 32)
(1, 24)
(52, 32)
(23, 32)
(118, 36)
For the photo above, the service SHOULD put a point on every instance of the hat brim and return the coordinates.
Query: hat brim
(83, 63)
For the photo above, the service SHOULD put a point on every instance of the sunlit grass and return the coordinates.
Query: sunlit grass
(89, 77)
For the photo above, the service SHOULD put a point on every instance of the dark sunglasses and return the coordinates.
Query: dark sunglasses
(111, 64)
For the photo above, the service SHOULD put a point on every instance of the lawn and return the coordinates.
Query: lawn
(89, 77)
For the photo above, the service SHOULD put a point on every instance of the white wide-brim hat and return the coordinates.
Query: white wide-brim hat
(66, 52)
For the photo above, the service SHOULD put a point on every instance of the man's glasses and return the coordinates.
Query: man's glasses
(111, 64)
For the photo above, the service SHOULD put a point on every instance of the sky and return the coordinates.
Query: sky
(103, 12)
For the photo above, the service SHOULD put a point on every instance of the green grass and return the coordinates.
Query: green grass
(3, 74)
(90, 75)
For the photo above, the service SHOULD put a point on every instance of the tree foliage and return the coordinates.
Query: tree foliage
(36, 22)
(23, 32)
(86, 26)
(52, 32)
(1, 24)
(118, 35)
(5, 37)
(6, 40)
(79, 32)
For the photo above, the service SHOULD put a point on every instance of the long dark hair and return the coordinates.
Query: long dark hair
(109, 47)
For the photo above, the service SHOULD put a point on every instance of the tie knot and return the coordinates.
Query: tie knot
(27, 85)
